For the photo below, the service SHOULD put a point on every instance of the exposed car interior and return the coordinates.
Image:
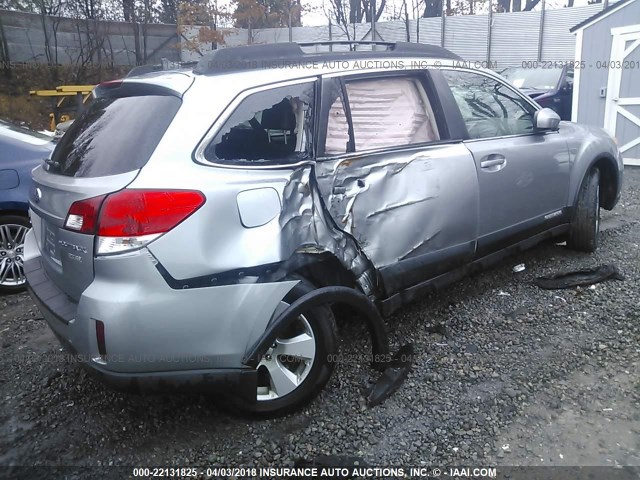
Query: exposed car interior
(269, 134)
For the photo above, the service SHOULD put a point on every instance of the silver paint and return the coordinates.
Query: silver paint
(258, 206)
(367, 211)
(403, 204)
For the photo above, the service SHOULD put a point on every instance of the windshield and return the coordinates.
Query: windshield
(537, 78)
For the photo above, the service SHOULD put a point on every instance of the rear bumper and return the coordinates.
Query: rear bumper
(157, 338)
(233, 382)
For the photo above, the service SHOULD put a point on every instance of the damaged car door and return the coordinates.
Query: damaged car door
(391, 176)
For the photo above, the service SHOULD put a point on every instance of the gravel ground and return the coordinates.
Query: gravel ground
(523, 376)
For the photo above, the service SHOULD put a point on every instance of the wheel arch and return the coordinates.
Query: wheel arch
(609, 180)
(5, 212)
(326, 271)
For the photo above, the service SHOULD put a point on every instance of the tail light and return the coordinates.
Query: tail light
(83, 215)
(111, 84)
(130, 219)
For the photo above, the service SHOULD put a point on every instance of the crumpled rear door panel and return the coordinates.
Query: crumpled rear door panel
(417, 202)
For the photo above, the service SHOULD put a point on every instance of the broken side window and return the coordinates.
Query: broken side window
(390, 112)
(272, 126)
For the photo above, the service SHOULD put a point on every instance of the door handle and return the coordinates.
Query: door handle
(493, 162)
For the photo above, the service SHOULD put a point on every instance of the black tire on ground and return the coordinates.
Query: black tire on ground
(323, 325)
(5, 221)
(585, 225)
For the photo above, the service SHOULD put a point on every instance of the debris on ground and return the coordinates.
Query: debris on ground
(519, 268)
(392, 377)
(580, 278)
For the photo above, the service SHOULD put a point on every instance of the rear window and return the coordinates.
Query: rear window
(114, 135)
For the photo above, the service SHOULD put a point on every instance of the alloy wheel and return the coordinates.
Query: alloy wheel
(12, 254)
(288, 362)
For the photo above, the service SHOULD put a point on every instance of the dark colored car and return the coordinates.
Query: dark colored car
(21, 150)
(549, 87)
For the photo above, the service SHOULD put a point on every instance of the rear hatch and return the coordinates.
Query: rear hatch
(101, 153)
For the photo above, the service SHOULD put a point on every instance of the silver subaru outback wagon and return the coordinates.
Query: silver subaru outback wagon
(197, 228)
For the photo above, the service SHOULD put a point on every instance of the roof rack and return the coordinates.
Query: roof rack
(353, 43)
(254, 57)
(165, 65)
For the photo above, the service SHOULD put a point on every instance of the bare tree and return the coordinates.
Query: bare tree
(406, 20)
(507, 6)
(432, 8)
(94, 46)
(50, 11)
(347, 13)
(128, 10)
(4, 52)
(169, 11)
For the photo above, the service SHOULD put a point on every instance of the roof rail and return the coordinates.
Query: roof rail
(354, 43)
(260, 56)
(159, 67)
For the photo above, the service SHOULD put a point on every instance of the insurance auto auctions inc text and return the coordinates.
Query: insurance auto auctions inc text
(368, 472)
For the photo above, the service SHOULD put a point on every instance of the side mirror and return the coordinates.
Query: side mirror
(545, 120)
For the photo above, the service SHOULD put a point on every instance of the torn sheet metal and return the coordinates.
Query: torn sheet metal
(396, 205)
(306, 228)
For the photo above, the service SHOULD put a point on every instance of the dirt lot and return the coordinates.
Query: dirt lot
(523, 376)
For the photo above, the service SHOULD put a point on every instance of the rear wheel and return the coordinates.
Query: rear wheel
(299, 363)
(586, 220)
(13, 229)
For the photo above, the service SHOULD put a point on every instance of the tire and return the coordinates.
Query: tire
(585, 226)
(321, 324)
(13, 229)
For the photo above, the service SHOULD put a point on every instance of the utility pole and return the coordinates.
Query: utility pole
(541, 31)
(489, 28)
(442, 30)
(373, 22)
(290, 30)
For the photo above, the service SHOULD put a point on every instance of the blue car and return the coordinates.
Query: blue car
(21, 150)
(549, 87)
